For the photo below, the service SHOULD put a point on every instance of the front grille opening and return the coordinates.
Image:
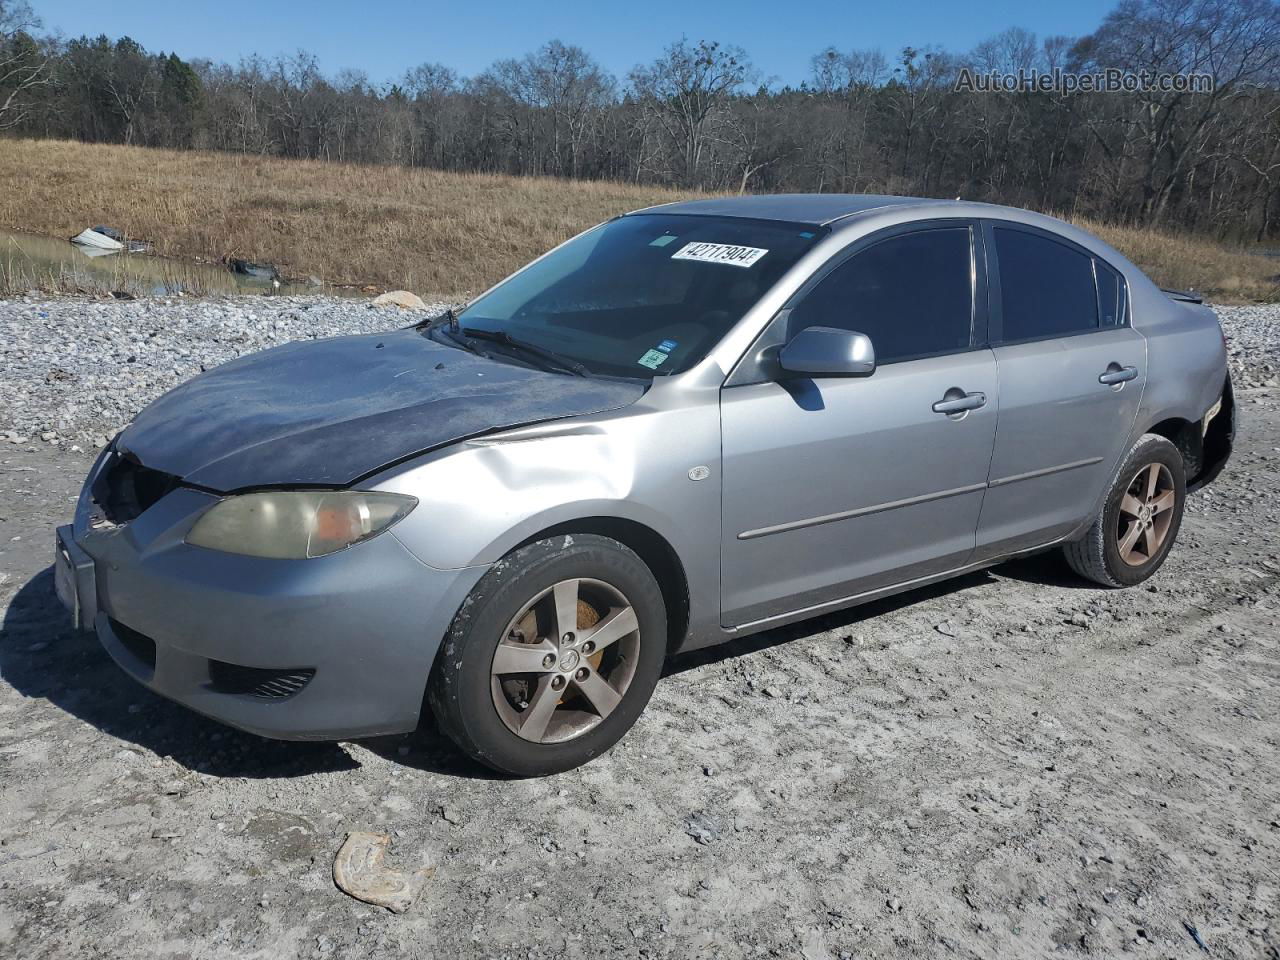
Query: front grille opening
(142, 647)
(125, 488)
(257, 682)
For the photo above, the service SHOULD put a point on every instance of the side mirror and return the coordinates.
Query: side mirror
(828, 352)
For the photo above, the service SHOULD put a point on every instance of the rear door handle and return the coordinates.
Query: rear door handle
(1117, 374)
(956, 401)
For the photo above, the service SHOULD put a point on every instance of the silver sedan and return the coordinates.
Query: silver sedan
(690, 423)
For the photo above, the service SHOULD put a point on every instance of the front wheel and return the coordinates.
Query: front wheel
(552, 657)
(1139, 522)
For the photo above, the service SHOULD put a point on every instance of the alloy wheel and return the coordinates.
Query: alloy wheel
(565, 661)
(1146, 513)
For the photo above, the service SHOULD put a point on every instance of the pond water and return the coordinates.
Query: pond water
(47, 263)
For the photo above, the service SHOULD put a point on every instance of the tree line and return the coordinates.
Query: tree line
(701, 116)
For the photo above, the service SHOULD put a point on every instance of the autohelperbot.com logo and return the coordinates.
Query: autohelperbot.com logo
(1110, 80)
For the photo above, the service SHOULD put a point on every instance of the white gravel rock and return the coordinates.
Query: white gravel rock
(76, 370)
(1253, 343)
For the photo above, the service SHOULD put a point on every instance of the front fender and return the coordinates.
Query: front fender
(481, 498)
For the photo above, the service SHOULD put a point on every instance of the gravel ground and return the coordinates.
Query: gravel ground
(1011, 764)
(1253, 344)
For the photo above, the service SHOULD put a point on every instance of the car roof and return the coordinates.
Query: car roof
(812, 208)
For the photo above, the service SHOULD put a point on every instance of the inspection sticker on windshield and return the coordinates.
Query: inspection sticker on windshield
(726, 253)
(652, 359)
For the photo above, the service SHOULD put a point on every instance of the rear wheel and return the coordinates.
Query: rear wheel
(552, 657)
(1139, 522)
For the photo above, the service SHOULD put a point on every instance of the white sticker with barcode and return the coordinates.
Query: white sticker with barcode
(726, 253)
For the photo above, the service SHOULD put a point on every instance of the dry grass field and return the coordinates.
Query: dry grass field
(437, 233)
(1183, 262)
(433, 232)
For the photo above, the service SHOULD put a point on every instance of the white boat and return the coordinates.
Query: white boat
(91, 238)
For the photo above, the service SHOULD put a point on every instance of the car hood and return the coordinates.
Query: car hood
(328, 412)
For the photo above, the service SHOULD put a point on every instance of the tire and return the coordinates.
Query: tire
(1100, 554)
(517, 721)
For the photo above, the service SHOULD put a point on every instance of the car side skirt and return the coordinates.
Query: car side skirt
(853, 600)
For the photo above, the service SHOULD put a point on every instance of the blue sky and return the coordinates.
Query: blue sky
(385, 37)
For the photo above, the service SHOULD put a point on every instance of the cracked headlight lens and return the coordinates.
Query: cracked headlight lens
(296, 524)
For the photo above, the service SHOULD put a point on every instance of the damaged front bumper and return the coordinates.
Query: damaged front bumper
(327, 648)
(73, 579)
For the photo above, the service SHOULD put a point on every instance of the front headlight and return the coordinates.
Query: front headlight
(296, 524)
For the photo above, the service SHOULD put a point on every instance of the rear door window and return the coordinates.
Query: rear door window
(911, 294)
(1046, 288)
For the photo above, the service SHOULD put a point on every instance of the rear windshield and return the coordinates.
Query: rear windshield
(643, 295)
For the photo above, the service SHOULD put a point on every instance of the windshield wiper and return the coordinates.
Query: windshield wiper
(446, 325)
(527, 348)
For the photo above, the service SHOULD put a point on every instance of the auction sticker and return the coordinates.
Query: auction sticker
(726, 253)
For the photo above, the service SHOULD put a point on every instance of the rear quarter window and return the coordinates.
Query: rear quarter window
(1047, 288)
(1113, 299)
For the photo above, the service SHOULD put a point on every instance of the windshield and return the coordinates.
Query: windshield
(643, 295)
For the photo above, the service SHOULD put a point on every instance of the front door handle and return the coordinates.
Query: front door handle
(1117, 374)
(957, 401)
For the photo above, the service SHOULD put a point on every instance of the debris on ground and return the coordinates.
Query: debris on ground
(703, 827)
(359, 871)
(1195, 935)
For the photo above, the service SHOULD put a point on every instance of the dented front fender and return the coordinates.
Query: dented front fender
(652, 465)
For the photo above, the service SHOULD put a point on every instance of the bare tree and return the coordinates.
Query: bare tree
(432, 89)
(548, 102)
(687, 90)
(847, 84)
(918, 92)
(1237, 42)
(1009, 51)
(24, 65)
